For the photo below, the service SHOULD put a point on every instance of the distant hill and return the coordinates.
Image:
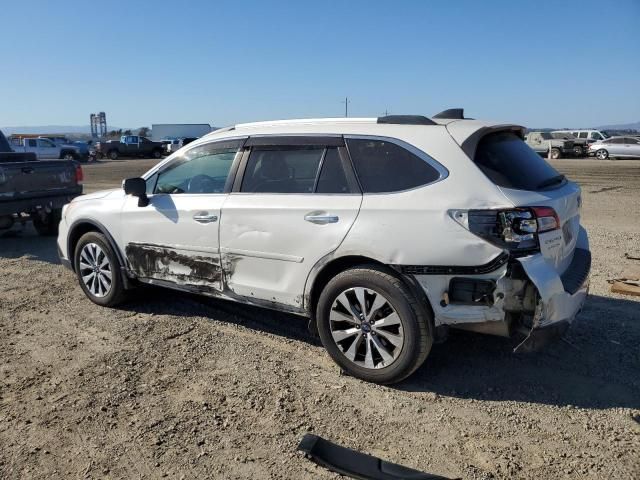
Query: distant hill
(47, 129)
(621, 126)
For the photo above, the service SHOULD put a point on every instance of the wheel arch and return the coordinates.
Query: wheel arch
(325, 270)
(82, 226)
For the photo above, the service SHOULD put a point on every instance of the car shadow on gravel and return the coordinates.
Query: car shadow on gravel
(596, 365)
(24, 241)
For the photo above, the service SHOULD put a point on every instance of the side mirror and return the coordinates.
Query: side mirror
(138, 188)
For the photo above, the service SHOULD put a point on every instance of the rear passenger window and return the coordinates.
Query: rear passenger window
(282, 170)
(509, 162)
(332, 177)
(387, 167)
(583, 135)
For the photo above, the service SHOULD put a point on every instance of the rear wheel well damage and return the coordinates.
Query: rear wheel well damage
(338, 265)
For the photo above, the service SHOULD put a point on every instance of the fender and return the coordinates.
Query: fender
(112, 243)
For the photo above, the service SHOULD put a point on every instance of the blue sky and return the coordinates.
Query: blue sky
(539, 63)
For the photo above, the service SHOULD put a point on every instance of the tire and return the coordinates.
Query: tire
(89, 259)
(157, 153)
(113, 154)
(577, 151)
(405, 340)
(602, 154)
(48, 227)
(555, 153)
(68, 156)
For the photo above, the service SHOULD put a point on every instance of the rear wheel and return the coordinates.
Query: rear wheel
(555, 153)
(98, 270)
(47, 224)
(373, 326)
(577, 151)
(157, 153)
(602, 154)
(68, 156)
(113, 154)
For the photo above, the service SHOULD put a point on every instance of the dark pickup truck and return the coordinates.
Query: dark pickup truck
(35, 189)
(129, 146)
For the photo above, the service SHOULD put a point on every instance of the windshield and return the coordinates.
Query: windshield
(606, 134)
(509, 162)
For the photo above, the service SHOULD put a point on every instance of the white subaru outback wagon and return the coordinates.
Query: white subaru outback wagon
(385, 232)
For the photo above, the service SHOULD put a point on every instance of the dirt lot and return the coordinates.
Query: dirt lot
(186, 387)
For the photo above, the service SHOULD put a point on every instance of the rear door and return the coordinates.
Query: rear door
(631, 147)
(293, 203)
(47, 150)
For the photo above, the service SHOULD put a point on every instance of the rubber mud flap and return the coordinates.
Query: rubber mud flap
(355, 464)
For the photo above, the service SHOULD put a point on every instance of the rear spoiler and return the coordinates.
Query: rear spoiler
(470, 142)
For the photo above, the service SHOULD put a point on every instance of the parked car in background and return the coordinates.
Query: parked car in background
(83, 147)
(541, 142)
(351, 223)
(591, 135)
(129, 146)
(46, 149)
(616, 147)
(175, 144)
(580, 146)
(35, 189)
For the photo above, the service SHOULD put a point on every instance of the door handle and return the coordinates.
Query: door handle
(321, 218)
(204, 217)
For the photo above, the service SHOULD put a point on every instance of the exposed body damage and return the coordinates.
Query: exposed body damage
(169, 265)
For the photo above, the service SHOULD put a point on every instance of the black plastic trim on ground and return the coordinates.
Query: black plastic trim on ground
(493, 265)
(574, 277)
(355, 464)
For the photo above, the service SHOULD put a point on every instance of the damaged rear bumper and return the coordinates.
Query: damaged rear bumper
(561, 297)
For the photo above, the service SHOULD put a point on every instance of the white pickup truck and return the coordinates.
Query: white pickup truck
(45, 149)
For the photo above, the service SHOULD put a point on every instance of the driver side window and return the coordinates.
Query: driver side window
(203, 169)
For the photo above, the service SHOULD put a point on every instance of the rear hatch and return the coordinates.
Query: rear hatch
(37, 179)
(527, 180)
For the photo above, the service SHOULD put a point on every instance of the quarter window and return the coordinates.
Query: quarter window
(203, 169)
(384, 166)
(282, 170)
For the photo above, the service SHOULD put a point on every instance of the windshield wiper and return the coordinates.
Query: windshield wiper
(551, 181)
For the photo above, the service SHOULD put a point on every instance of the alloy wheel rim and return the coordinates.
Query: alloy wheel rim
(95, 270)
(366, 328)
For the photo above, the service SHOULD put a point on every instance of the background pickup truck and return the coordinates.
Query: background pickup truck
(539, 141)
(46, 149)
(35, 189)
(580, 146)
(129, 146)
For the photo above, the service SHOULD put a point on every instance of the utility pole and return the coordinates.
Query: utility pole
(386, 113)
(346, 106)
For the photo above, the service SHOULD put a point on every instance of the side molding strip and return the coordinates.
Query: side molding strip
(489, 267)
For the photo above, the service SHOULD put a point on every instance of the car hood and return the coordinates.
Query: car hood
(115, 193)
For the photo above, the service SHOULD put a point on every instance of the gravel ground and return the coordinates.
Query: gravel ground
(173, 385)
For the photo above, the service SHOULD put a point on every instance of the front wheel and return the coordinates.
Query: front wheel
(98, 270)
(555, 153)
(113, 154)
(68, 156)
(157, 154)
(602, 154)
(577, 151)
(373, 326)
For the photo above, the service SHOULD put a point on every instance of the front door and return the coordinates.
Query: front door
(175, 238)
(294, 205)
(47, 149)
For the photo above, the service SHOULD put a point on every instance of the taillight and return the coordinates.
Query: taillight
(79, 174)
(515, 229)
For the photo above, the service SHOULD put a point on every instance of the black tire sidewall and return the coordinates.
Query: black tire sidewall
(410, 354)
(555, 153)
(115, 294)
(113, 155)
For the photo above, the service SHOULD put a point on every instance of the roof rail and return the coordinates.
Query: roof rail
(406, 120)
(451, 114)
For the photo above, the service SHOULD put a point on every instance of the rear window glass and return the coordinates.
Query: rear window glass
(510, 163)
(386, 167)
